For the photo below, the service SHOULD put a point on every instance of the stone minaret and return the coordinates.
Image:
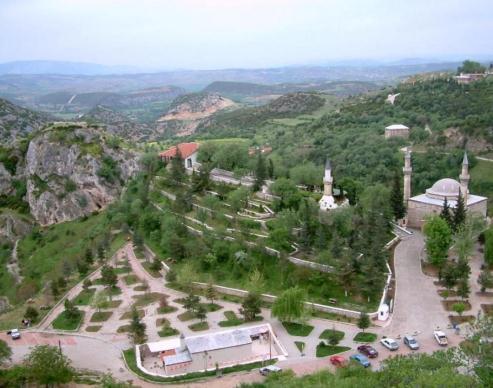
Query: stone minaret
(407, 170)
(328, 179)
(464, 178)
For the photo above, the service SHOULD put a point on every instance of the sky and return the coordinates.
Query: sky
(211, 34)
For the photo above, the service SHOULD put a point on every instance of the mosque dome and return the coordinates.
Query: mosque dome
(444, 188)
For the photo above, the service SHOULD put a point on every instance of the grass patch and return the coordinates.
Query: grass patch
(487, 308)
(63, 322)
(166, 310)
(147, 267)
(141, 287)
(300, 345)
(449, 304)
(147, 299)
(122, 270)
(123, 329)
(161, 322)
(327, 333)
(457, 320)
(211, 307)
(328, 350)
(186, 316)
(297, 329)
(113, 304)
(93, 329)
(130, 279)
(101, 316)
(129, 356)
(128, 314)
(114, 291)
(365, 337)
(333, 317)
(231, 319)
(84, 297)
(167, 331)
(199, 326)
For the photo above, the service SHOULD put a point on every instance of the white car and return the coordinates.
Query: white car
(15, 334)
(440, 337)
(411, 342)
(269, 369)
(389, 343)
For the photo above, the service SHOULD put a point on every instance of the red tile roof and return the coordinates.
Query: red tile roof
(186, 149)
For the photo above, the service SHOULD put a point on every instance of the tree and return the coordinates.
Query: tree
(108, 276)
(397, 199)
(488, 246)
(446, 215)
(54, 289)
(101, 253)
(438, 240)
(485, 279)
(86, 284)
(82, 267)
(463, 289)
(88, 256)
(306, 174)
(191, 303)
(156, 265)
(31, 314)
(62, 283)
(469, 67)
(459, 308)
(333, 337)
(363, 321)
(137, 329)
(250, 306)
(99, 301)
(210, 292)
(260, 172)
(46, 365)
(270, 169)
(5, 352)
(71, 310)
(459, 213)
(449, 275)
(177, 168)
(201, 313)
(238, 199)
(290, 306)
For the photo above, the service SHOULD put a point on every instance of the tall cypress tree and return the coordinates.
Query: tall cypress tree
(396, 199)
(446, 215)
(260, 172)
(177, 169)
(459, 213)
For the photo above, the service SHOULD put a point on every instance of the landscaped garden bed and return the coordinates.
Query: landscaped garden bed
(199, 326)
(328, 333)
(300, 345)
(128, 314)
(231, 319)
(93, 328)
(449, 304)
(297, 329)
(123, 329)
(101, 316)
(130, 279)
(457, 319)
(487, 308)
(324, 350)
(65, 322)
(365, 337)
(84, 297)
(148, 298)
(186, 316)
(166, 309)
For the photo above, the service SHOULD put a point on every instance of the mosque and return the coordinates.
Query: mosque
(431, 202)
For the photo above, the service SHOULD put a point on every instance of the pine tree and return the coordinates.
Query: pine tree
(270, 169)
(459, 213)
(446, 215)
(177, 170)
(260, 172)
(137, 330)
(396, 199)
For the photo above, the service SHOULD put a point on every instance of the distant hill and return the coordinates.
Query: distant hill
(63, 67)
(187, 112)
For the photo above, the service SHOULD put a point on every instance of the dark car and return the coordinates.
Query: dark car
(368, 351)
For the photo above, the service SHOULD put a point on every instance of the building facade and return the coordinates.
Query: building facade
(396, 130)
(187, 152)
(431, 202)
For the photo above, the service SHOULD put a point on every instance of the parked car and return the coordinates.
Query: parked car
(368, 351)
(389, 343)
(264, 371)
(361, 359)
(440, 337)
(14, 334)
(338, 361)
(411, 342)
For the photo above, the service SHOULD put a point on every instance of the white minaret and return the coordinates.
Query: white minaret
(464, 178)
(407, 170)
(327, 202)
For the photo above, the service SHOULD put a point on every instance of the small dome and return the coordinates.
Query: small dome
(446, 187)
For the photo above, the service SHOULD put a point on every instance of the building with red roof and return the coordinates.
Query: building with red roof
(187, 151)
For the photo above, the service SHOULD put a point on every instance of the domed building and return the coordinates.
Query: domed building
(431, 202)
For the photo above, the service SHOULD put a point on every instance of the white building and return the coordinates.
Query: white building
(396, 130)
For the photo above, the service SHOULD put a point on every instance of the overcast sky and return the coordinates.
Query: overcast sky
(205, 34)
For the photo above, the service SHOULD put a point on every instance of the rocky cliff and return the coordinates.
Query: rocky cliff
(188, 111)
(72, 170)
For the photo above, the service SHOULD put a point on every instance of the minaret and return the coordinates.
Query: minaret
(464, 178)
(407, 170)
(328, 179)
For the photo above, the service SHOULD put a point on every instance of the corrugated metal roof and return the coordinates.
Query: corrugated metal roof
(217, 341)
(161, 346)
(178, 358)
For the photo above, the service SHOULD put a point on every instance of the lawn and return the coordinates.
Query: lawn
(130, 279)
(141, 287)
(147, 267)
(328, 350)
(199, 326)
(297, 329)
(123, 329)
(101, 316)
(93, 329)
(186, 316)
(128, 314)
(231, 319)
(300, 345)
(63, 322)
(167, 331)
(482, 181)
(327, 333)
(166, 310)
(365, 337)
(147, 299)
(85, 296)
